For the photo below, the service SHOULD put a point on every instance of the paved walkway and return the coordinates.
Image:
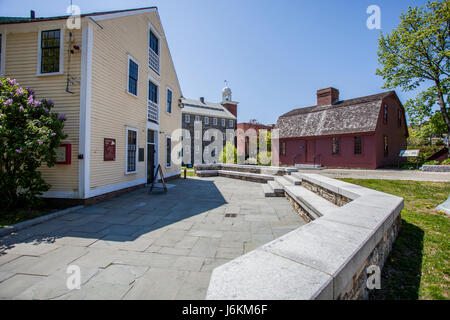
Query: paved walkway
(386, 174)
(141, 246)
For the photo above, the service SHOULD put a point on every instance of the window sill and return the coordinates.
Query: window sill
(49, 74)
(133, 95)
(131, 172)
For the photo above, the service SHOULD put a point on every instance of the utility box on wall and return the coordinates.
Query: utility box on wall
(109, 149)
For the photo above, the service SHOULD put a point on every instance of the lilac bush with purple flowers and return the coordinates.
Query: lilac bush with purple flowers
(29, 135)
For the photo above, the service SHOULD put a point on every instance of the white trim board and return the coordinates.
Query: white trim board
(85, 111)
(121, 14)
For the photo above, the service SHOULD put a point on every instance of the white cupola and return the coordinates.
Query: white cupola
(226, 93)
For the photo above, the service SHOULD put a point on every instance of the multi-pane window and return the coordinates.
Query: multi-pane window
(215, 121)
(133, 71)
(385, 114)
(197, 118)
(168, 151)
(152, 92)
(153, 52)
(386, 146)
(187, 118)
(223, 122)
(169, 101)
(283, 148)
(50, 51)
(357, 145)
(336, 146)
(206, 119)
(154, 43)
(231, 123)
(131, 150)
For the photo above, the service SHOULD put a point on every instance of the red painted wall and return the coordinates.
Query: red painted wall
(321, 149)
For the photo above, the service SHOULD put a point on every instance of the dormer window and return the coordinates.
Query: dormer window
(154, 50)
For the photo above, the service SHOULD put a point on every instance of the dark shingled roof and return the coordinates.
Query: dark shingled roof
(344, 117)
(10, 20)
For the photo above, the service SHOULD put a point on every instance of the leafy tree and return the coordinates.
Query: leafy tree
(417, 53)
(229, 152)
(29, 135)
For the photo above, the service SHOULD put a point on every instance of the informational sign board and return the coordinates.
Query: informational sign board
(64, 154)
(109, 149)
(409, 153)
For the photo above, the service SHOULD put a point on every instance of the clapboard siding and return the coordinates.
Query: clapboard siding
(112, 108)
(21, 58)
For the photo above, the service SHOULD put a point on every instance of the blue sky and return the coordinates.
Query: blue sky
(275, 54)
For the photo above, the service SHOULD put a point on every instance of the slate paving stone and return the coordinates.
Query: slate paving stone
(18, 283)
(144, 246)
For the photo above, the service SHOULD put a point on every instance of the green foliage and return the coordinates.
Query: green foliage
(446, 162)
(416, 52)
(29, 135)
(432, 162)
(418, 265)
(229, 152)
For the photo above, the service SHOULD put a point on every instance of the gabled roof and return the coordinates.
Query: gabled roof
(357, 115)
(10, 20)
(208, 109)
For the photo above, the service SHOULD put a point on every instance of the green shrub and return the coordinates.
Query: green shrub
(230, 152)
(446, 162)
(29, 136)
(433, 162)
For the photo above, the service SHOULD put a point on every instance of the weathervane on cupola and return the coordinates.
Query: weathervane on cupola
(226, 93)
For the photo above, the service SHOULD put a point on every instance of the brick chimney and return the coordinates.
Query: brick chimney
(327, 96)
(202, 100)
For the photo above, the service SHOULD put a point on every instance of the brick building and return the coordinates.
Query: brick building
(206, 115)
(365, 132)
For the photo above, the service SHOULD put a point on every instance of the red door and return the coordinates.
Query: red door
(310, 151)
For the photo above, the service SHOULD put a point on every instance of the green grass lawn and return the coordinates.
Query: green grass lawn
(418, 266)
(189, 172)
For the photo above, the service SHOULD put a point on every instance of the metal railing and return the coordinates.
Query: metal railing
(153, 60)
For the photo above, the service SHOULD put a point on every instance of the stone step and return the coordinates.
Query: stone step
(312, 203)
(268, 191)
(283, 181)
(294, 180)
(307, 166)
(276, 187)
(246, 175)
(207, 173)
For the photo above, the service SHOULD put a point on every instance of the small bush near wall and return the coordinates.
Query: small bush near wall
(29, 135)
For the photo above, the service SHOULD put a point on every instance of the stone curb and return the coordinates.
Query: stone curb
(435, 168)
(26, 224)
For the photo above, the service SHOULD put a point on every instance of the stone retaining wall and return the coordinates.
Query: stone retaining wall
(435, 168)
(328, 258)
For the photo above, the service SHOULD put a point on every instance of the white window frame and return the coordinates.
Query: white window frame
(231, 123)
(215, 121)
(197, 119)
(224, 123)
(61, 52)
(2, 53)
(165, 161)
(126, 149)
(206, 120)
(187, 118)
(128, 76)
(167, 94)
(156, 33)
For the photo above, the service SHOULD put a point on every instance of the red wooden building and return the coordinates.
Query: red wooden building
(365, 132)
